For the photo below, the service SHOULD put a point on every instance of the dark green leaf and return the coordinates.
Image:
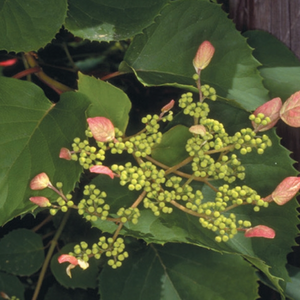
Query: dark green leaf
(31, 24)
(33, 130)
(171, 150)
(21, 252)
(11, 286)
(80, 278)
(163, 54)
(280, 67)
(177, 272)
(57, 292)
(107, 100)
(113, 20)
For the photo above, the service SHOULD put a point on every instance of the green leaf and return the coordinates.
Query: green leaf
(163, 54)
(57, 292)
(280, 67)
(171, 150)
(33, 130)
(177, 272)
(21, 252)
(31, 24)
(107, 100)
(11, 286)
(111, 21)
(80, 278)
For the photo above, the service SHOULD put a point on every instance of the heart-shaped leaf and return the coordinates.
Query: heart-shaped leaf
(33, 130)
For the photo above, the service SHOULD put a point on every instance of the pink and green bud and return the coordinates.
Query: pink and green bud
(166, 108)
(286, 190)
(203, 56)
(198, 129)
(260, 231)
(40, 182)
(99, 169)
(270, 109)
(65, 154)
(40, 201)
(290, 111)
(102, 129)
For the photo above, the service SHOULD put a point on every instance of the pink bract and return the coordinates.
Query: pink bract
(286, 190)
(40, 201)
(270, 109)
(260, 231)
(68, 258)
(65, 154)
(102, 129)
(290, 111)
(99, 169)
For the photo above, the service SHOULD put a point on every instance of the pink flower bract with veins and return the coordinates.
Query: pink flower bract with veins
(270, 109)
(260, 231)
(65, 154)
(99, 169)
(290, 111)
(102, 129)
(203, 56)
(40, 201)
(40, 182)
(286, 190)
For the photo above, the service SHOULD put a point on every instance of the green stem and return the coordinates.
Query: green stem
(188, 211)
(53, 244)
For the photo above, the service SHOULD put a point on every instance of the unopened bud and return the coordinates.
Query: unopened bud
(65, 154)
(40, 182)
(203, 56)
(40, 201)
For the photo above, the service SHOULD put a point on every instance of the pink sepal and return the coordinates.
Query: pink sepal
(203, 56)
(99, 169)
(40, 182)
(270, 109)
(40, 201)
(260, 231)
(65, 154)
(68, 258)
(286, 190)
(290, 111)
(102, 129)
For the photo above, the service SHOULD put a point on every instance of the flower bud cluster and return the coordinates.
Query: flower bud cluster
(88, 155)
(94, 207)
(129, 215)
(208, 92)
(246, 139)
(113, 249)
(239, 195)
(145, 176)
(194, 109)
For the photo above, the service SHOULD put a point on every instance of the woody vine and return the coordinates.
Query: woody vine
(213, 156)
